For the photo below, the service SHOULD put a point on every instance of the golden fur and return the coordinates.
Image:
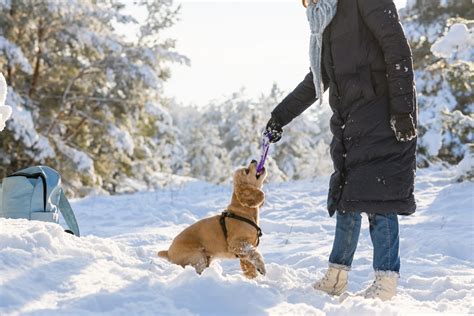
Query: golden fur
(203, 241)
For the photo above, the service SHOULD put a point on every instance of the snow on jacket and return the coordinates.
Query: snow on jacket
(368, 68)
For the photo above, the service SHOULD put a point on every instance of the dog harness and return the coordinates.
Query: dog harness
(240, 218)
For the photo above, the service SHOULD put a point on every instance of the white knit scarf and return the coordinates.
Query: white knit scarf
(319, 15)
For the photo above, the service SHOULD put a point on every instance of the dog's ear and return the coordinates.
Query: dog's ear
(249, 196)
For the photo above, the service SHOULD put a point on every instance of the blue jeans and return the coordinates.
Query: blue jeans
(384, 235)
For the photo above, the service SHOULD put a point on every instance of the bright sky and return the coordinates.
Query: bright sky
(234, 44)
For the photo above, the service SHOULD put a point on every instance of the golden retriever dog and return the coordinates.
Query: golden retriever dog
(206, 239)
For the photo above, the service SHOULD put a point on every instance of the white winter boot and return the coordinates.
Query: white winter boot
(384, 287)
(334, 281)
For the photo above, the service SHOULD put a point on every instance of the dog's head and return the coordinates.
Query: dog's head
(248, 185)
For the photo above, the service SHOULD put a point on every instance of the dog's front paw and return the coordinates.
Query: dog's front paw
(248, 269)
(251, 274)
(260, 266)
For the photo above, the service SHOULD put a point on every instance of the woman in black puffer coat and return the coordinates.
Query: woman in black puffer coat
(366, 63)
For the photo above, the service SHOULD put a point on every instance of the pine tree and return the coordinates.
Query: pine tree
(79, 89)
(227, 134)
(444, 93)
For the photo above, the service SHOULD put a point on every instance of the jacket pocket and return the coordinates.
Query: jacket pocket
(366, 83)
(350, 89)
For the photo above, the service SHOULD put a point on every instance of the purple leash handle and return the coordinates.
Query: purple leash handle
(265, 147)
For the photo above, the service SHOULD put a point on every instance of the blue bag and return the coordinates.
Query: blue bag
(35, 193)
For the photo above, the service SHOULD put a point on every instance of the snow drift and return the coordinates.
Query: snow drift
(114, 270)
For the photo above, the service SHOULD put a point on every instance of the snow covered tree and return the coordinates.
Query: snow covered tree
(441, 37)
(304, 150)
(227, 134)
(5, 110)
(437, 3)
(241, 121)
(207, 156)
(80, 89)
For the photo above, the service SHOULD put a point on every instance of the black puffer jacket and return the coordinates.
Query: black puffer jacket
(367, 66)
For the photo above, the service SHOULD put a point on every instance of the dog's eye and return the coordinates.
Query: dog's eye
(247, 171)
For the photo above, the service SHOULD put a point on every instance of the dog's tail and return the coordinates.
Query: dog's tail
(163, 254)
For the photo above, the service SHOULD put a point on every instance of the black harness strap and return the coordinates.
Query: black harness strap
(240, 218)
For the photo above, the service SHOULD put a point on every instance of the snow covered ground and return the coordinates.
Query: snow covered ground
(113, 268)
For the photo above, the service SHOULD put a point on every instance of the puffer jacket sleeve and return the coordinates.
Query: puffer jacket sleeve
(381, 17)
(301, 98)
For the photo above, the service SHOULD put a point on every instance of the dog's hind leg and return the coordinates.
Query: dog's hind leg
(201, 264)
(195, 257)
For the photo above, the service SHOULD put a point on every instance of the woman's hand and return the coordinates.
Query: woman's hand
(403, 126)
(274, 129)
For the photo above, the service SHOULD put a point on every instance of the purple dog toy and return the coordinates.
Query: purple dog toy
(265, 146)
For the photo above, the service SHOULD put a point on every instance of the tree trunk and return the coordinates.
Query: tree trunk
(36, 72)
(9, 74)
